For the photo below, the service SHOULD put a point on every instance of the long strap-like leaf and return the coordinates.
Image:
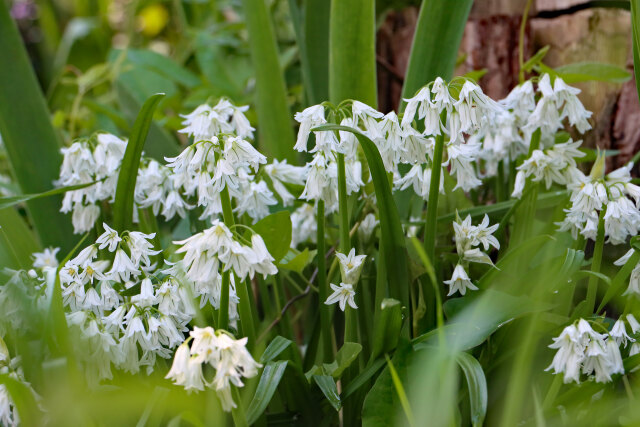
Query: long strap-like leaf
(635, 27)
(123, 205)
(435, 43)
(29, 137)
(352, 54)
(274, 118)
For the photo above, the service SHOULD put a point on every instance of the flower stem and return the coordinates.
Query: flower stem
(343, 209)
(432, 204)
(323, 292)
(596, 260)
(227, 215)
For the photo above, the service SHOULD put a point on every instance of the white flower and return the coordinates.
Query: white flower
(367, 225)
(122, 267)
(46, 258)
(263, 261)
(350, 266)
(619, 333)
(282, 173)
(185, 370)
(570, 354)
(109, 239)
(141, 247)
(304, 225)
(343, 295)
(309, 118)
(255, 200)
(459, 281)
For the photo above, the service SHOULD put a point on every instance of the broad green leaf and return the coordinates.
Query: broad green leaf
(590, 71)
(315, 50)
(23, 399)
(123, 205)
(476, 316)
(28, 136)
(435, 43)
(275, 347)
(328, 387)
(17, 241)
(390, 226)
(402, 395)
(345, 357)
(162, 65)
(7, 202)
(275, 230)
(386, 329)
(478, 395)
(352, 53)
(269, 380)
(296, 261)
(381, 405)
(275, 131)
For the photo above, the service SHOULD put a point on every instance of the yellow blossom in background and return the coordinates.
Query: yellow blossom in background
(153, 19)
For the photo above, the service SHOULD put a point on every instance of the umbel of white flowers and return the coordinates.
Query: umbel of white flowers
(581, 349)
(227, 356)
(468, 238)
(350, 269)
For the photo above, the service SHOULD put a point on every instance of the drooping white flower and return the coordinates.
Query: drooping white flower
(109, 239)
(343, 295)
(459, 281)
(619, 333)
(568, 359)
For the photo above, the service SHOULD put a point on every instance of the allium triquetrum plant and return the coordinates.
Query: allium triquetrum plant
(463, 261)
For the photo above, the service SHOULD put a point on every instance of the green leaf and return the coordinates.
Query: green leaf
(314, 50)
(275, 230)
(269, 380)
(275, 131)
(475, 317)
(328, 387)
(435, 43)
(17, 241)
(296, 261)
(619, 280)
(28, 136)
(536, 59)
(275, 347)
(477, 386)
(386, 328)
(345, 357)
(7, 202)
(592, 71)
(397, 384)
(23, 399)
(123, 205)
(352, 53)
(390, 226)
(162, 65)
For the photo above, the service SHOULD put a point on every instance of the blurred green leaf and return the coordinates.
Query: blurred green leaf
(123, 205)
(28, 136)
(17, 241)
(23, 399)
(478, 395)
(536, 59)
(435, 43)
(275, 230)
(7, 202)
(314, 50)
(275, 347)
(328, 387)
(619, 280)
(345, 357)
(269, 380)
(590, 71)
(275, 131)
(352, 52)
(296, 261)
(635, 31)
(386, 328)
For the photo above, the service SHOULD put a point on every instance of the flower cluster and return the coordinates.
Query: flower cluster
(468, 238)
(596, 193)
(350, 268)
(215, 250)
(229, 358)
(581, 349)
(122, 314)
(12, 368)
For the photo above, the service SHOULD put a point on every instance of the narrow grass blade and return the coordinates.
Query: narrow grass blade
(275, 347)
(435, 43)
(478, 395)
(352, 55)
(28, 135)
(401, 393)
(275, 131)
(7, 202)
(271, 376)
(390, 225)
(123, 205)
